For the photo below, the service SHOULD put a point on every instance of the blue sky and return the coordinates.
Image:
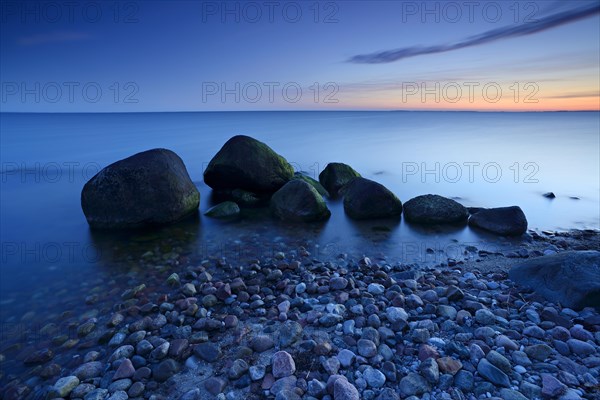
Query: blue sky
(218, 56)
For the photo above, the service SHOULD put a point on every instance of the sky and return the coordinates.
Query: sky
(148, 56)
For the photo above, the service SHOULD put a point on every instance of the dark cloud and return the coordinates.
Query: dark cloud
(540, 25)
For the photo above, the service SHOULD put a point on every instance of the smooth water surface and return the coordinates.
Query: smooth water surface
(480, 159)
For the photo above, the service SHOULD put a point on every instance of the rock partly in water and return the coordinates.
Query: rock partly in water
(147, 189)
(299, 201)
(549, 195)
(316, 184)
(224, 210)
(506, 221)
(366, 199)
(246, 163)
(335, 176)
(63, 387)
(570, 278)
(434, 209)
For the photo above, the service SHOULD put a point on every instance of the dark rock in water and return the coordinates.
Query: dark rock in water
(225, 210)
(549, 195)
(39, 357)
(242, 198)
(299, 201)
(316, 184)
(147, 189)
(574, 198)
(245, 198)
(474, 210)
(366, 199)
(569, 278)
(506, 221)
(434, 209)
(245, 163)
(335, 176)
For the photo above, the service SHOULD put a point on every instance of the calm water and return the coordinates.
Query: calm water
(481, 159)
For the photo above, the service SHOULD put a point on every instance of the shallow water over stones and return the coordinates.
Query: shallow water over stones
(142, 331)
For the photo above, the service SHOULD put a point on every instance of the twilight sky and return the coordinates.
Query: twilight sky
(105, 56)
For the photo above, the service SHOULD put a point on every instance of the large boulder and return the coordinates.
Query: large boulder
(506, 221)
(569, 278)
(299, 201)
(335, 176)
(316, 184)
(365, 199)
(245, 163)
(147, 189)
(434, 209)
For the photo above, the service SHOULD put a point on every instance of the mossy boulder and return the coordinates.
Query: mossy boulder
(335, 176)
(505, 221)
(299, 201)
(224, 210)
(316, 184)
(366, 199)
(434, 209)
(246, 163)
(147, 189)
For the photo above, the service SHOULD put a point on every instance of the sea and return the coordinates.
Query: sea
(51, 261)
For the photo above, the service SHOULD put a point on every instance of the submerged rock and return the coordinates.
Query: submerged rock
(570, 278)
(434, 209)
(507, 221)
(299, 201)
(147, 189)
(225, 210)
(335, 176)
(366, 199)
(246, 163)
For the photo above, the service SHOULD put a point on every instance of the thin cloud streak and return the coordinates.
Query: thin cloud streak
(580, 95)
(54, 37)
(540, 25)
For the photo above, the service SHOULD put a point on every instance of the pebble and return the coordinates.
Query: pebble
(396, 314)
(366, 348)
(374, 377)
(552, 387)
(92, 369)
(376, 289)
(257, 372)
(492, 373)
(580, 347)
(125, 370)
(344, 390)
(346, 358)
(207, 351)
(485, 317)
(63, 387)
(413, 384)
(283, 364)
(262, 343)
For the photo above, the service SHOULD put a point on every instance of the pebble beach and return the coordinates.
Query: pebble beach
(292, 325)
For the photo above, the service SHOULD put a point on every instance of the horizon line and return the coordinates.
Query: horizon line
(239, 111)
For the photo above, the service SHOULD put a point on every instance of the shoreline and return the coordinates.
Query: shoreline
(230, 305)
